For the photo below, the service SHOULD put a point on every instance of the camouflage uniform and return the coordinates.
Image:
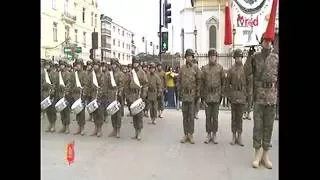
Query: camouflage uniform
(161, 74)
(197, 101)
(77, 93)
(134, 93)
(263, 67)
(154, 91)
(49, 90)
(97, 93)
(236, 87)
(64, 91)
(189, 92)
(249, 104)
(211, 91)
(111, 93)
(88, 95)
(125, 89)
(125, 78)
(146, 71)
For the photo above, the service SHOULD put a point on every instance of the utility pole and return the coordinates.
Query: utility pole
(160, 26)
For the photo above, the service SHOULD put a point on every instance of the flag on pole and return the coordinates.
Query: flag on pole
(228, 26)
(270, 32)
(70, 155)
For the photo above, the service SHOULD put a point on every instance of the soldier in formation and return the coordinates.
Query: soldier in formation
(162, 75)
(211, 90)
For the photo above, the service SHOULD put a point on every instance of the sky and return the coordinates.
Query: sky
(142, 18)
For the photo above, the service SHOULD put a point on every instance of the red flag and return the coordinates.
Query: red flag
(270, 32)
(228, 26)
(70, 153)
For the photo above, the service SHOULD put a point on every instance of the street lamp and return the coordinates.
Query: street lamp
(195, 32)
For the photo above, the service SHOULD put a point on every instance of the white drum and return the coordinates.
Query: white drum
(113, 107)
(46, 103)
(137, 106)
(61, 105)
(77, 106)
(92, 106)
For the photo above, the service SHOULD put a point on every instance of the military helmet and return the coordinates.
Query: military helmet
(152, 65)
(63, 62)
(212, 52)
(237, 53)
(114, 61)
(189, 52)
(79, 61)
(47, 62)
(96, 62)
(159, 63)
(89, 63)
(135, 59)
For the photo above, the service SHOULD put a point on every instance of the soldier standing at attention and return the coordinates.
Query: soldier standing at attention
(211, 91)
(135, 92)
(49, 90)
(64, 91)
(189, 92)
(104, 69)
(162, 75)
(78, 92)
(88, 96)
(96, 92)
(236, 88)
(112, 92)
(197, 102)
(154, 91)
(125, 79)
(263, 67)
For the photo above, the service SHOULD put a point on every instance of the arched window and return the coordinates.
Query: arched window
(212, 37)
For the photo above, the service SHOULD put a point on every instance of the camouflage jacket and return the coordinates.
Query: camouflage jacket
(212, 83)
(154, 86)
(92, 90)
(262, 68)
(189, 83)
(134, 90)
(63, 90)
(109, 91)
(236, 86)
(162, 75)
(75, 91)
(47, 89)
(125, 81)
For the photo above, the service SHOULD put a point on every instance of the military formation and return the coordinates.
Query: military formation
(106, 88)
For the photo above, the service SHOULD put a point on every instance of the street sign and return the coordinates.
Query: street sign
(78, 50)
(164, 44)
(67, 50)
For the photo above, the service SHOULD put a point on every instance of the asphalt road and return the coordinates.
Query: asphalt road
(159, 155)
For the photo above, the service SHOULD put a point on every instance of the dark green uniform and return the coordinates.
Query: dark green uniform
(211, 91)
(134, 93)
(154, 91)
(236, 87)
(189, 92)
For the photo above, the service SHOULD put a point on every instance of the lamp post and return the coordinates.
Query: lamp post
(195, 32)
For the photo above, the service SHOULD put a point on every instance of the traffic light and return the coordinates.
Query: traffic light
(164, 43)
(91, 54)
(167, 13)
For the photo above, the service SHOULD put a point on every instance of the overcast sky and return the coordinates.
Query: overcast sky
(142, 18)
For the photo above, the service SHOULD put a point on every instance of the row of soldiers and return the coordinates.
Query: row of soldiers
(150, 89)
(256, 81)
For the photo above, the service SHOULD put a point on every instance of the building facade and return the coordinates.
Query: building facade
(69, 24)
(105, 38)
(122, 44)
(202, 25)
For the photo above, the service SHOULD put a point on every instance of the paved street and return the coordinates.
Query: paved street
(158, 156)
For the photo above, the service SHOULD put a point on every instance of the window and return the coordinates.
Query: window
(76, 36)
(84, 15)
(54, 4)
(95, 20)
(114, 54)
(66, 7)
(92, 19)
(119, 56)
(84, 39)
(122, 32)
(66, 34)
(104, 41)
(114, 42)
(118, 43)
(123, 56)
(118, 31)
(213, 37)
(55, 32)
(123, 45)
(114, 29)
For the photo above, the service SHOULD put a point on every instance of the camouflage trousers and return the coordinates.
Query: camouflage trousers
(116, 120)
(236, 117)
(212, 112)
(65, 116)
(81, 118)
(137, 121)
(188, 117)
(196, 106)
(98, 116)
(263, 118)
(153, 108)
(51, 114)
(161, 102)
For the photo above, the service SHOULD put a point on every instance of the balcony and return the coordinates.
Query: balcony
(108, 46)
(66, 16)
(106, 31)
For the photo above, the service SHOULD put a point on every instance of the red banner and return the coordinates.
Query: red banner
(70, 153)
(228, 26)
(270, 32)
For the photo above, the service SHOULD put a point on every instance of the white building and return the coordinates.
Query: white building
(122, 45)
(207, 17)
(68, 23)
(105, 37)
